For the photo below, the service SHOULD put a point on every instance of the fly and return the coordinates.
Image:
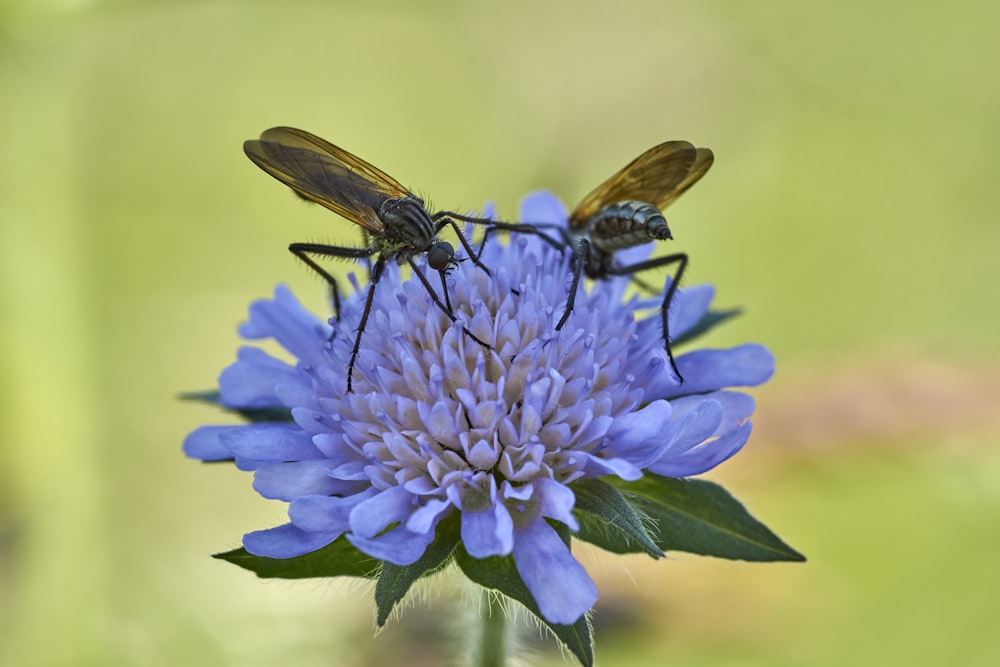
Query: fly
(395, 222)
(624, 212)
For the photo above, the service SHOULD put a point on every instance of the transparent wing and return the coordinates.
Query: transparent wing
(658, 177)
(325, 174)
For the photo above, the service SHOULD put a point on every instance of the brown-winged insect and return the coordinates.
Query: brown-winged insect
(625, 211)
(395, 222)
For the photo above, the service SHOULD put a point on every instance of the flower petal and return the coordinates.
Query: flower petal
(705, 457)
(689, 305)
(325, 514)
(284, 319)
(268, 441)
(556, 501)
(250, 382)
(709, 370)
(543, 207)
(285, 541)
(695, 427)
(489, 532)
(706, 430)
(598, 467)
(635, 254)
(375, 514)
(640, 437)
(398, 546)
(289, 480)
(424, 518)
(205, 443)
(560, 585)
(737, 407)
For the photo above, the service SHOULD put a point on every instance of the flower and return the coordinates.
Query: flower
(439, 425)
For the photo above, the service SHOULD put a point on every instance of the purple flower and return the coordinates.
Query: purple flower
(439, 425)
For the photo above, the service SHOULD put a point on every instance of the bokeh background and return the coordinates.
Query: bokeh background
(852, 211)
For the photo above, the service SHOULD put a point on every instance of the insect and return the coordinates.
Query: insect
(395, 223)
(625, 211)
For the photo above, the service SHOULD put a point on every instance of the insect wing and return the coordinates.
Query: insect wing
(658, 177)
(325, 174)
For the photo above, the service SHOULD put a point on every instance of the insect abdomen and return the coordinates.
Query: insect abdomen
(627, 224)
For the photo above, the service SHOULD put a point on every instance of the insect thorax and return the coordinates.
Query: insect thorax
(408, 227)
(626, 224)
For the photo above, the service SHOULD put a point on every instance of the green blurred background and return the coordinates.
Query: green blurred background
(852, 211)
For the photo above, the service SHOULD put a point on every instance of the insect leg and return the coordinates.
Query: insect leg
(437, 300)
(368, 258)
(443, 218)
(300, 250)
(463, 218)
(681, 259)
(527, 228)
(581, 254)
(376, 274)
(482, 244)
(644, 286)
(444, 288)
(524, 227)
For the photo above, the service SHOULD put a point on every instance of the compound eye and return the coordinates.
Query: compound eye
(440, 256)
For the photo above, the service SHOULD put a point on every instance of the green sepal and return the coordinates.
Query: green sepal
(499, 573)
(338, 559)
(212, 397)
(700, 517)
(608, 520)
(395, 580)
(708, 321)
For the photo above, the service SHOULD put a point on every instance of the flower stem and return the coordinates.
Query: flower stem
(492, 649)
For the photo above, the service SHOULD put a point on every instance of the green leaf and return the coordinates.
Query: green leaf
(395, 580)
(618, 527)
(337, 559)
(500, 574)
(708, 321)
(703, 518)
(601, 534)
(210, 396)
(213, 397)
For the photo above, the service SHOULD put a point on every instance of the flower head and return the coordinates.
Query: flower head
(440, 426)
